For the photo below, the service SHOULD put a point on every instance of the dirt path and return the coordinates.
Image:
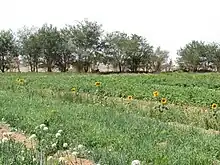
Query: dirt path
(5, 131)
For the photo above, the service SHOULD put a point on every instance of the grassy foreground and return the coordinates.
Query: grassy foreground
(113, 131)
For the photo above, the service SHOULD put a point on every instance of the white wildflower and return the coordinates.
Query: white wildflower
(22, 158)
(45, 128)
(135, 162)
(60, 131)
(5, 134)
(61, 159)
(42, 126)
(49, 158)
(4, 140)
(9, 133)
(34, 159)
(65, 145)
(58, 135)
(32, 136)
(53, 145)
(74, 153)
(80, 146)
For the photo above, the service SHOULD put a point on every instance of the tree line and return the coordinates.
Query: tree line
(83, 46)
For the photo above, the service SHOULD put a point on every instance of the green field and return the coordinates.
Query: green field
(113, 129)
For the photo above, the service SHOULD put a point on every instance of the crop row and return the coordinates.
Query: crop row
(177, 88)
(114, 134)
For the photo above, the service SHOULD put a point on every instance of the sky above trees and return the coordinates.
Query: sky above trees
(170, 24)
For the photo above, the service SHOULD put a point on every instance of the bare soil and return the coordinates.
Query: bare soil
(16, 136)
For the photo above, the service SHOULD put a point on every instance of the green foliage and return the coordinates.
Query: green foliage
(30, 47)
(82, 46)
(127, 51)
(8, 49)
(115, 49)
(15, 153)
(197, 56)
(49, 38)
(86, 40)
(113, 130)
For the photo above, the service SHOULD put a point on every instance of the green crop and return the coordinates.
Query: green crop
(118, 121)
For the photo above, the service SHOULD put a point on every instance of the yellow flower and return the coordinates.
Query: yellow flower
(130, 97)
(163, 100)
(156, 93)
(97, 84)
(73, 90)
(214, 106)
(20, 81)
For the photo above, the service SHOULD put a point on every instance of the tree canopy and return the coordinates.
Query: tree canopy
(83, 46)
(199, 56)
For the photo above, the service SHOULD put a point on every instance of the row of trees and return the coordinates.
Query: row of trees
(199, 56)
(83, 46)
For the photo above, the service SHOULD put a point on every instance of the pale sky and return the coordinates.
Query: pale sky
(166, 23)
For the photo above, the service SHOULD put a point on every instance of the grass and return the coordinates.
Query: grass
(10, 149)
(192, 89)
(114, 131)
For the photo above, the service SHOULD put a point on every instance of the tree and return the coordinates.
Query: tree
(86, 39)
(116, 49)
(213, 56)
(197, 56)
(138, 52)
(49, 39)
(65, 57)
(191, 55)
(159, 59)
(30, 47)
(83, 45)
(8, 49)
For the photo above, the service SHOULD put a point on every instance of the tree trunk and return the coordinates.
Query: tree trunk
(63, 68)
(49, 65)
(86, 68)
(195, 69)
(2, 65)
(19, 68)
(17, 61)
(3, 69)
(49, 68)
(36, 66)
(120, 68)
(31, 66)
(218, 68)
